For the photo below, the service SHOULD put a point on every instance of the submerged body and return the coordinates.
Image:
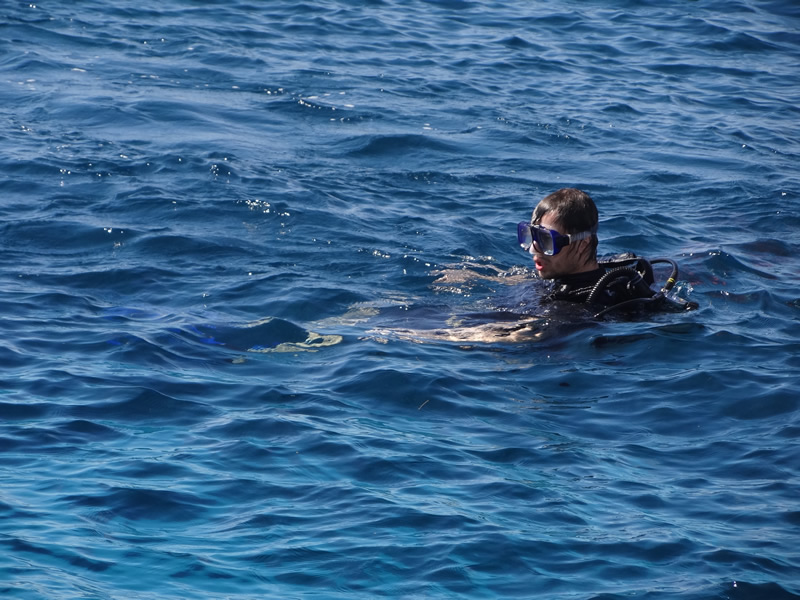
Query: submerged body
(575, 288)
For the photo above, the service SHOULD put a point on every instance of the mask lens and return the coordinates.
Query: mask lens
(544, 238)
(524, 236)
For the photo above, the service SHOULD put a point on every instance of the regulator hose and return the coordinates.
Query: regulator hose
(633, 277)
(673, 276)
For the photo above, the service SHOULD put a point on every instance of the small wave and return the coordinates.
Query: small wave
(167, 507)
(145, 406)
(392, 145)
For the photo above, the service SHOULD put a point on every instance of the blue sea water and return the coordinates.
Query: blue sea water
(228, 226)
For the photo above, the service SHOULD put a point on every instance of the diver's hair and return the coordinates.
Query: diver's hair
(574, 211)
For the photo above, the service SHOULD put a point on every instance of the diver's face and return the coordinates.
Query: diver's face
(566, 262)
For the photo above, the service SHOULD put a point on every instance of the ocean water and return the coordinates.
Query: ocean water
(248, 249)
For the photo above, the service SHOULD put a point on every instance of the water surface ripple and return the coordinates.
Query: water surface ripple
(228, 226)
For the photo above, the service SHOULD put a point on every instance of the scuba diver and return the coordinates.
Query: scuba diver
(562, 239)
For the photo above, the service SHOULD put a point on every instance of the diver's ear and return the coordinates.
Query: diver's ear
(584, 249)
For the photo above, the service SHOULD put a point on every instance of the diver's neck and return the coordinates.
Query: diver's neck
(589, 266)
(584, 273)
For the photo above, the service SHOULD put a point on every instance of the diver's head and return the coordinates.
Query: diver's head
(563, 234)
